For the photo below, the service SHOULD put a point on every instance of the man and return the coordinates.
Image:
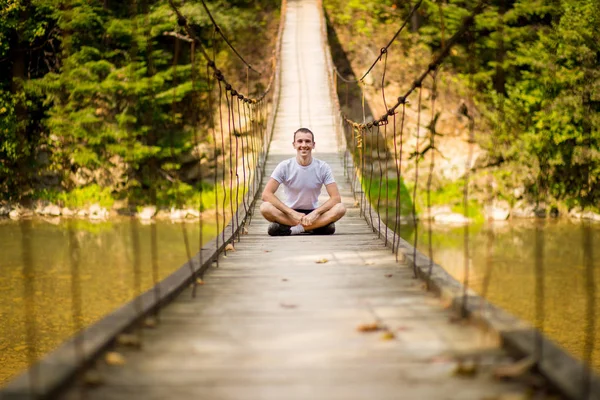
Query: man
(302, 177)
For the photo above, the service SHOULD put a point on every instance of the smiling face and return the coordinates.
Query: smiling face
(304, 144)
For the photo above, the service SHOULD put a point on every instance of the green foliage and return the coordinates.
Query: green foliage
(385, 195)
(79, 197)
(100, 90)
(532, 67)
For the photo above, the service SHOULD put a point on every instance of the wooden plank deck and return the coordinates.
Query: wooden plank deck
(272, 323)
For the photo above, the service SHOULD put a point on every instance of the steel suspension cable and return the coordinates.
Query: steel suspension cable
(432, 150)
(399, 153)
(383, 50)
(387, 46)
(196, 101)
(437, 60)
(224, 204)
(231, 128)
(379, 183)
(416, 184)
(220, 32)
(213, 129)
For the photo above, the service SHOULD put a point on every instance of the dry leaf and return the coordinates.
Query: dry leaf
(114, 358)
(150, 322)
(129, 339)
(509, 396)
(322, 261)
(372, 327)
(387, 335)
(388, 275)
(466, 369)
(199, 281)
(286, 305)
(447, 303)
(244, 231)
(514, 370)
(356, 204)
(284, 280)
(229, 247)
(92, 378)
(267, 251)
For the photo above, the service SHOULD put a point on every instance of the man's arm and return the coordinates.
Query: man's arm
(268, 195)
(334, 198)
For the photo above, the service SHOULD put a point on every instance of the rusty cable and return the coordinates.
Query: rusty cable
(220, 32)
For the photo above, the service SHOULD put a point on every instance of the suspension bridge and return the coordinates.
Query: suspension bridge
(358, 314)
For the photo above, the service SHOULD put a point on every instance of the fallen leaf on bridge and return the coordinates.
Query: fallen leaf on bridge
(229, 247)
(322, 261)
(466, 369)
(199, 281)
(514, 370)
(286, 305)
(114, 358)
(387, 335)
(510, 396)
(244, 231)
(150, 322)
(388, 275)
(372, 327)
(129, 339)
(267, 251)
(284, 280)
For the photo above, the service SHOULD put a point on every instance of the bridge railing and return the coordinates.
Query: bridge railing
(369, 162)
(241, 130)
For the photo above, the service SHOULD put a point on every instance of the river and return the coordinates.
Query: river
(559, 293)
(39, 313)
(556, 287)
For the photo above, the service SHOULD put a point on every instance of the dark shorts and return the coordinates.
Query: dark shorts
(303, 211)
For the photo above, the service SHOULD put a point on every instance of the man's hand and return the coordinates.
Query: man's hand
(309, 219)
(296, 216)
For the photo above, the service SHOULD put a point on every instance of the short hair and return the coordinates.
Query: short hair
(304, 130)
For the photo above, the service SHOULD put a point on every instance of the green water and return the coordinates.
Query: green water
(559, 294)
(556, 294)
(59, 296)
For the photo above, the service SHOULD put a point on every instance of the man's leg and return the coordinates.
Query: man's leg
(326, 220)
(280, 223)
(273, 214)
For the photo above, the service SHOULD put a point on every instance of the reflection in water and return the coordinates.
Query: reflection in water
(540, 271)
(57, 278)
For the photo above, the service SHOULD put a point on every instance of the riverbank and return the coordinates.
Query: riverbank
(450, 213)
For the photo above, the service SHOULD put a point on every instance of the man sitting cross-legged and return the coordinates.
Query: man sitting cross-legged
(302, 178)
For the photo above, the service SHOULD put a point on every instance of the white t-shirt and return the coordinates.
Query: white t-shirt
(302, 184)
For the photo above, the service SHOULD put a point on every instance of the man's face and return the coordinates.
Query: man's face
(303, 143)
